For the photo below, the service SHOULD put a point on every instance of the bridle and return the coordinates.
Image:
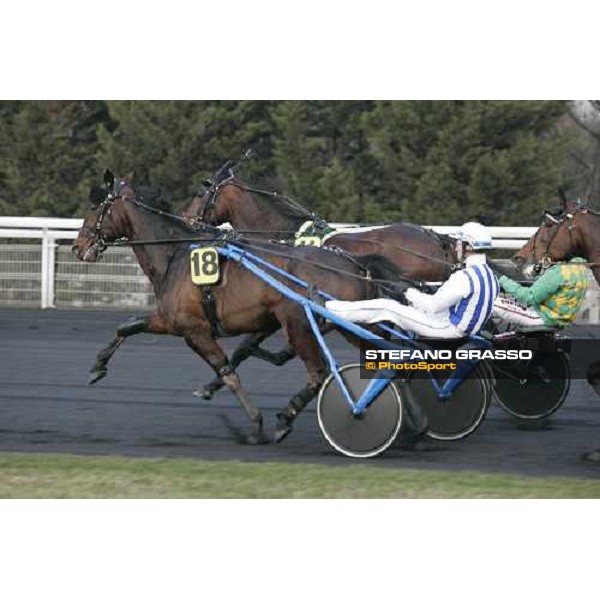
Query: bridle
(225, 175)
(559, 220)
(98, 237)
(222, 177)
(95, 234)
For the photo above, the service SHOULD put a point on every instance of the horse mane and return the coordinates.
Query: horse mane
(445, 240)
(276, 204)
(170, 225)
(150, 195)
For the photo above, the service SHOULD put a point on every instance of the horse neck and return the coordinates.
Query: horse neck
(153, 259)
(589, 243)
(246, 213)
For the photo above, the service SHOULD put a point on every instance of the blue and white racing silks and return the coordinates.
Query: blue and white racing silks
(470, 314)
(465, 300)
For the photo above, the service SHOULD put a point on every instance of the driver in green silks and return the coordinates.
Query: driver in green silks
(552, 301)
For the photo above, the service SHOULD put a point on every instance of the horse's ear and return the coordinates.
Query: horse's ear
(109, 179)
(128, 178)
(562, 197)
(97, 194)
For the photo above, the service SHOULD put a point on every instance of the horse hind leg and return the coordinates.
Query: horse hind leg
(593, 378)
(249, 347)
(207, 348)
(277, 359)
(302, 340)
(150, 324)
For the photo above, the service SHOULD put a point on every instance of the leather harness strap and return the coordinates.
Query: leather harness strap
(209, 304)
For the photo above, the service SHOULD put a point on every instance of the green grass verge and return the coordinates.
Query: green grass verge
(66, 476)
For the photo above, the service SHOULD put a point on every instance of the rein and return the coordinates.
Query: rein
(366, 278)
(289, 201)
(105, 207)
(222, 237)
(216, 188)
(452, 265)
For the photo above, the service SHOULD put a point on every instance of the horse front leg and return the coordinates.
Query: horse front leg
(153, 323)
(208, 349)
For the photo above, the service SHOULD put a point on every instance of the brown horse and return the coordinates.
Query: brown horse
(417, 253)
(573, 230)
(414, 252)
(569, 231)
(244, 303)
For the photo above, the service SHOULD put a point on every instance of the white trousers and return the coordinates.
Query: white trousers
(509, 314)
(407, 318)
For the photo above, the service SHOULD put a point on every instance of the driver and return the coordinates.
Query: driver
(552, 301)
(459, 308)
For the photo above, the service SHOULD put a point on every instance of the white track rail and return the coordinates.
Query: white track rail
(23, 266)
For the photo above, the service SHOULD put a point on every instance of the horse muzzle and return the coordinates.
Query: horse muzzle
(531, 270)
(90, 253)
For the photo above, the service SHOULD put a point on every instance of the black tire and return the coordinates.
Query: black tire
(364, 436)
(458, 416)
(534, 397)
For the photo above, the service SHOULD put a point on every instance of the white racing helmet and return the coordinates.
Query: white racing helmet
(476, 235)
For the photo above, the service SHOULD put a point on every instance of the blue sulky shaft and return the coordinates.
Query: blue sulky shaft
(376, 385)
(333, 366)
(383, 377)
(246, 259)
(303, 284)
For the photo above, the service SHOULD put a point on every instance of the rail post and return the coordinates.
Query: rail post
(48, 260)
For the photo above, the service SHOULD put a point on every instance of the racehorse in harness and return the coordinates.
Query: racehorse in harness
(572, 230)
(415, 252)
(412, 251)
(119, 215)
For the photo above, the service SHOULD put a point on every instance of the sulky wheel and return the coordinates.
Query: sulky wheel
(360, 436)
(459, 415)
(536, 390)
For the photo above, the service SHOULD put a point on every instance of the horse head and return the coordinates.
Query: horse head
(213, 207)
(105, 219)
(561, 236)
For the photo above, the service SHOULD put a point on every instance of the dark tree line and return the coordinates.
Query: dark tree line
(436, 162)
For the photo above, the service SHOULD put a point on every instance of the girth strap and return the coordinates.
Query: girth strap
(210, 308)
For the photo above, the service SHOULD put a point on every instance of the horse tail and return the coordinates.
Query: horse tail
(389, 280)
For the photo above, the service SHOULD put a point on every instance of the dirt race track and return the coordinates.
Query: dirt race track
(144, 407)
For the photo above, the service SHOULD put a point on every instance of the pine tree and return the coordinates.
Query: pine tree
(176, 145)
(421, 161)
(47, 156)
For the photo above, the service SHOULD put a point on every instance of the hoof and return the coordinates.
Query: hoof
(257, 439)
(284, 426)
(97, 375)
(592, 457)
(282, 432)
(204, 393)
